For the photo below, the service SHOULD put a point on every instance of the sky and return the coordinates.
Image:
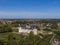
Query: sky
(30, 9)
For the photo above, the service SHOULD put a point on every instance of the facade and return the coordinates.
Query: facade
(27, 30)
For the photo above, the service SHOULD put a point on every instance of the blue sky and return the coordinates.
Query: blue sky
(29, 9)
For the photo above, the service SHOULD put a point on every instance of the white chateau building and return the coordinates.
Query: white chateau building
(27, 30)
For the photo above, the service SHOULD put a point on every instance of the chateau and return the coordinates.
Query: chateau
(27, 30)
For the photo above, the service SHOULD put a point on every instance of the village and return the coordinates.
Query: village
(36, 26)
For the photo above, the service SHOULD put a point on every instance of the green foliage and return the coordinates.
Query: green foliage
(20, 39)
(5, 28)
(57, 34)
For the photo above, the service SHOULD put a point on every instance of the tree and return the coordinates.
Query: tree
(5, 28)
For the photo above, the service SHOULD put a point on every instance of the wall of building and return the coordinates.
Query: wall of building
(27, 30)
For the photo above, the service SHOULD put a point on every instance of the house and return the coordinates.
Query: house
(49, 24)
(6, 22)
(58, 25)
(54, 40)
(27, 29)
